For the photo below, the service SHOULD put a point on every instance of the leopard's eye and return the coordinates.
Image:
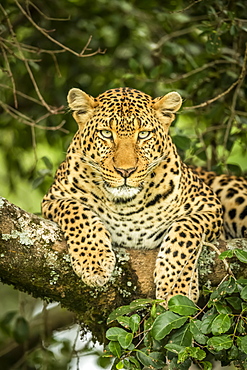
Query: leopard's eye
(81, 111)
(106, 134)
(144, 134)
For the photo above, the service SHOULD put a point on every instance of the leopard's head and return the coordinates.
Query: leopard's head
(123, 135)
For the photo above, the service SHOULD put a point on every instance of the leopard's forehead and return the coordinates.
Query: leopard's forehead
(124, 101)
(124, 110)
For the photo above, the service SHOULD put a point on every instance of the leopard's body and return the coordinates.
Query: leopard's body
(123, 184)
(232, 193)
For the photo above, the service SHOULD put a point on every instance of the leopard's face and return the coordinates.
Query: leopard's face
(123, 135)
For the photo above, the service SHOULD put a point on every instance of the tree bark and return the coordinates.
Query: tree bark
(33, 258)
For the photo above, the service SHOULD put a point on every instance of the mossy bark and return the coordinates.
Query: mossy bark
(34, 259)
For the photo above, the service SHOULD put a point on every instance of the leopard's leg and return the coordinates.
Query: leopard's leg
(89, 242)
(176, 264)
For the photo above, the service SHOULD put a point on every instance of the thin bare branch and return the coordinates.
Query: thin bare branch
(239, 81)
(44, 15)
(5, 57)
(29, 122)
(25, 62)
(187, 7)
(31, 49)
(198, 70)
(28, 97)
(46, 34)
(173, 35)
(4, 43)
(234, 99)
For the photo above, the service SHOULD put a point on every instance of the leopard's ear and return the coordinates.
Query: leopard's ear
(81, 105)
(167, 105)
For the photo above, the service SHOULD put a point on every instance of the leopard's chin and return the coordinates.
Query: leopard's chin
(124, 193)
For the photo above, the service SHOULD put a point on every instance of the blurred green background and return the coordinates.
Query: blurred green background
(197, 48)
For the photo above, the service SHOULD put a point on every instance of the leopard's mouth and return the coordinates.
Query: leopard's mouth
(123, 193)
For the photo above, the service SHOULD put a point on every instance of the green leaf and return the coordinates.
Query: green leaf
(242, 281)
(195, 328)
(194, 352)
(221, 324)
(175, 348)
(182, 305)
(202, 155)
(47, 162)
(135, 362)
(139, 304)
(124, 321)
(120, 311)
(181, 142)
(151, 360)
(233, 353)
(182, 336)
(227, 287)
(244, 306)
(8, 317)
(235, 302)
(207, 320)
(223, 308)
(115, 349)
(133, 64)
(174, 365)
(153, 312)
(37, 182)
(134, 322)
(219, 343)
(226, 254)
(241, 255)
(213, 44)
(206, 365)
(21, 330)
(243, 343)
(6, 322)
(243, 293)
(120, 365)
(240, 328)
(113, 333)
(125, 339)
(165, 323)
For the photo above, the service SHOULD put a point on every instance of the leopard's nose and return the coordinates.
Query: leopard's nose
(125, 172)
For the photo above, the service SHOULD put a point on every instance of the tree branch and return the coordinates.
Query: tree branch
(33, 258)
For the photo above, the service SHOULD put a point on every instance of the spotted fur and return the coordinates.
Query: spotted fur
(123, 184)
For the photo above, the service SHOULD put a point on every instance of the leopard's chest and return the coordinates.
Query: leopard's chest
(141, 228)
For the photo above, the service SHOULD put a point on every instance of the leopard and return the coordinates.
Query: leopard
(231, 190)
(123, 184)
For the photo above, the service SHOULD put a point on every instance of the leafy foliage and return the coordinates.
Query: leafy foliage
(183, 338)
(182, 333)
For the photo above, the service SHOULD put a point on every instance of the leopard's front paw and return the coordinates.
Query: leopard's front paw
(170, 284)
(95, 269)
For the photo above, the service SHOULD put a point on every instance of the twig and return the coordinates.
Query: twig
(173, 35)
(44, 15)
(36, 101)
(239, 81)
(199, 69)
(28, 121)
(234, 99)
(187, 7)
(26, 62)
(11, 77)
(11, 52)
(31, 49)
(46, 34)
